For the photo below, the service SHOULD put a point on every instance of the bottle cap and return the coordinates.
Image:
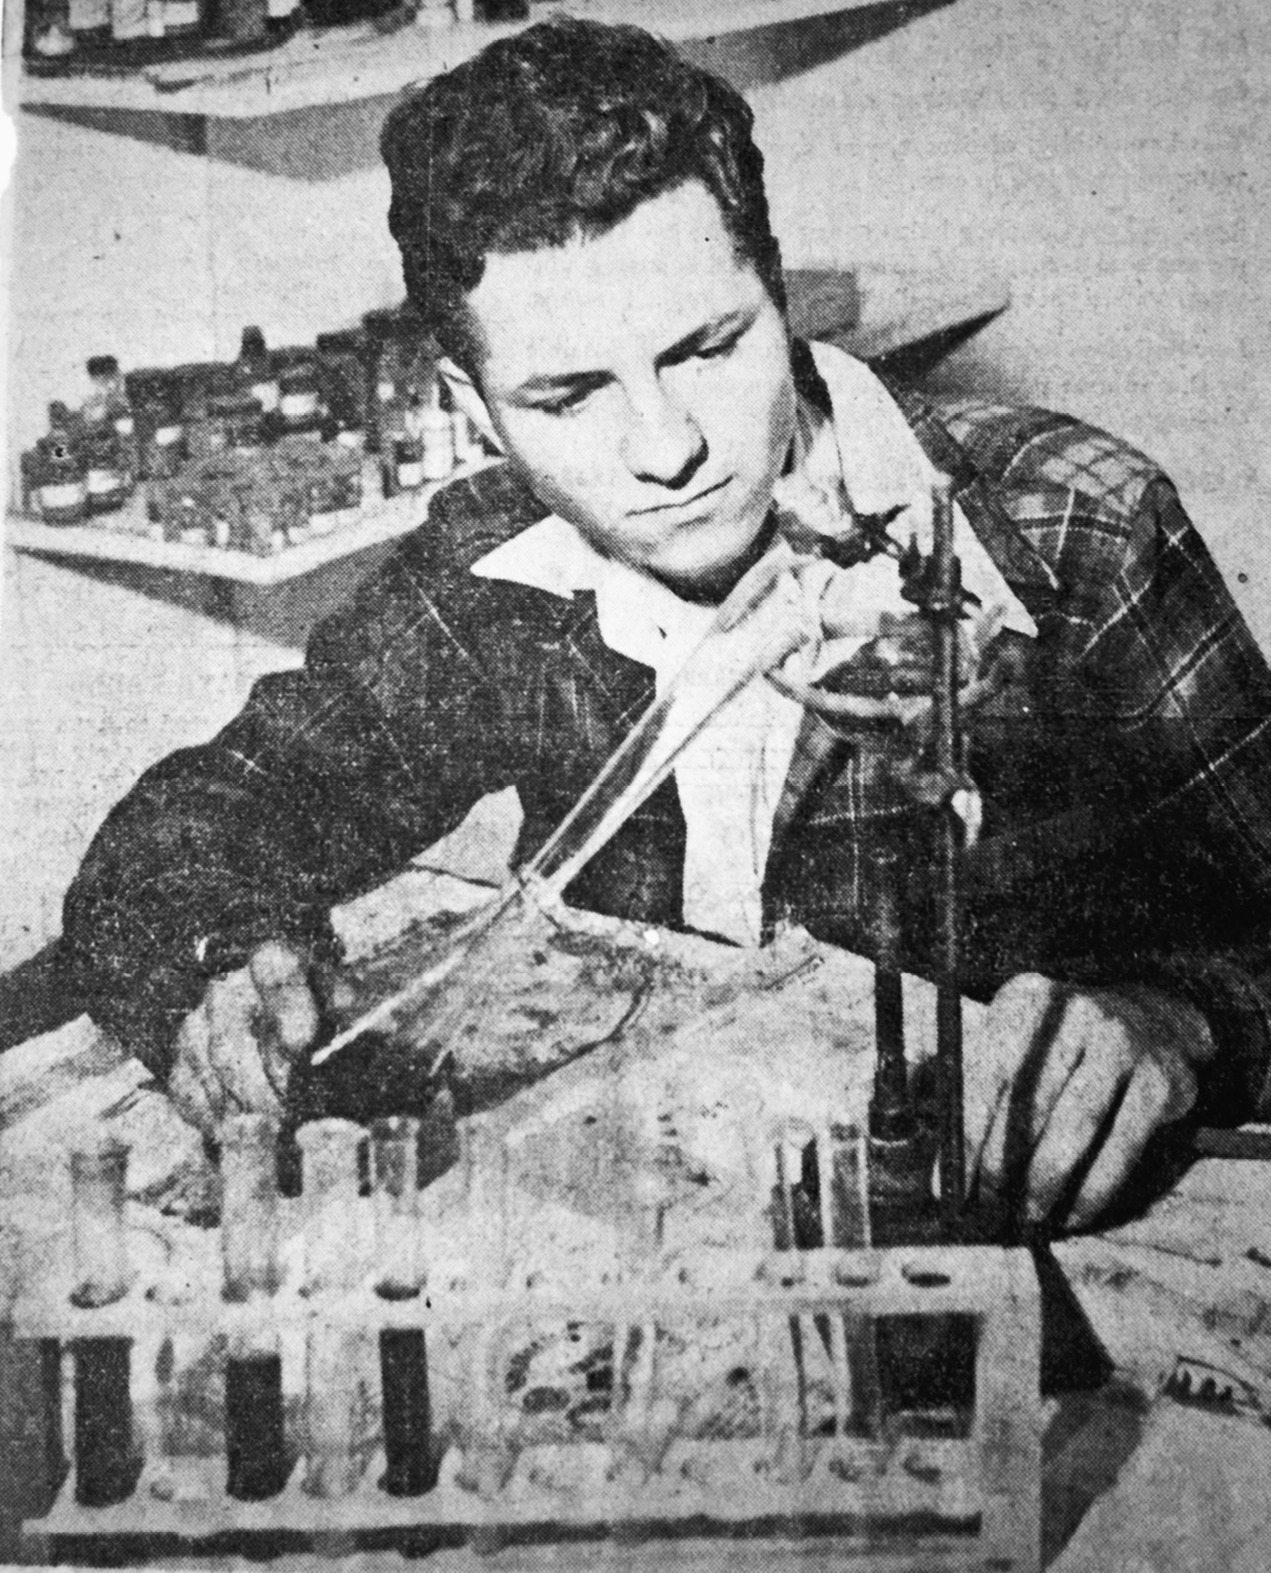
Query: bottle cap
(101, 366)
(292, 357)
(378, 324)
(341, 341)
(253, 345)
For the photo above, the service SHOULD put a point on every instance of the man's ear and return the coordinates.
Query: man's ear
(464, 393)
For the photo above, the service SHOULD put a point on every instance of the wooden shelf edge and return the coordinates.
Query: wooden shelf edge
(383, 521)
(345, 65)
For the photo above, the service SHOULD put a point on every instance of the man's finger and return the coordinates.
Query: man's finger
(235, 1054)
(190, 1098)
(281, 978)
(1072, 1128)
(1150, 1101)
(194, 1060)
(1030, 1045)
(982, 1128)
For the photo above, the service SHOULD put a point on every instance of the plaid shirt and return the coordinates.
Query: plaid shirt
(1128, 825)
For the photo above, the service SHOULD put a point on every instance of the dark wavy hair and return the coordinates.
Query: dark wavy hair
(557, 132)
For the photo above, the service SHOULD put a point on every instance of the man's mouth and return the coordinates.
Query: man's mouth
(680, 504)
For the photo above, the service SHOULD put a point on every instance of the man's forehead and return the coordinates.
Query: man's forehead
(667, 269)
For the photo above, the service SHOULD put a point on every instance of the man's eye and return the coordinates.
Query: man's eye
(567, 404)
(720, 347)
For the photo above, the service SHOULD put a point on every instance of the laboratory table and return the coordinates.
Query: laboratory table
(1135, 1477)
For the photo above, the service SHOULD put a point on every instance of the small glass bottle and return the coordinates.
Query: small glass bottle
(299, 399)
(438, 435)
(408, 448)
(127, 20)
(105, 1463)
(205, 390)
(161, 434)
(106, 475)
(182, 18)
(243, 420)
(342, 379)
(377, 381)
(350, 467)
(89, 22)
(108, 400)
(58, 488)
(49, 36)
(323, 500)
(255, 373)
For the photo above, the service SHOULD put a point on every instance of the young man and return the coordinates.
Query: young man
(583, 224)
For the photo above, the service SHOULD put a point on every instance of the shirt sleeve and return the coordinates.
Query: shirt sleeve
(1172, 664)
(328, 781)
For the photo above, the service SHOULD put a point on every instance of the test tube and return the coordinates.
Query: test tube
(411, 1468)
(106, 1465)
(255, 1432)
(99, 1179)
(853, 1339)
(395, 1169)
(329, 1161)
(334, 1406)
(792, 1223)
(249, 1206)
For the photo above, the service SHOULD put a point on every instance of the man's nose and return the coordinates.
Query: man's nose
(663, 442)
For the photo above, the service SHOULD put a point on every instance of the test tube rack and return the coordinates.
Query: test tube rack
(806, 1465)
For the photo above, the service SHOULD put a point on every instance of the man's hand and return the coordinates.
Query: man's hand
(1065, 1089)
(235, 1052)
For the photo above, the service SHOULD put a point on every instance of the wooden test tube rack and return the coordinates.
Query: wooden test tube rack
(964, 1502)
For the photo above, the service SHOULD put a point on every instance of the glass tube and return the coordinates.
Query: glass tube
(249, 1206)
(99, 1187)
(395, 1169)
(329, 1159)
(334, 1357)
(408, 1447)
(255, 1431)
(105, 1465)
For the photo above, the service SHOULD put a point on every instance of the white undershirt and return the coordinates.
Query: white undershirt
(730, 778)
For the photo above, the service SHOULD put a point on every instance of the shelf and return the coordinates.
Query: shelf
(905, 315)
(121, 542)
(342, 65)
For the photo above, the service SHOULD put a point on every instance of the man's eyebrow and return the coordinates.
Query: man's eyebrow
(577, 381)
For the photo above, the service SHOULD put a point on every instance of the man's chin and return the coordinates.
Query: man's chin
(710, 576)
